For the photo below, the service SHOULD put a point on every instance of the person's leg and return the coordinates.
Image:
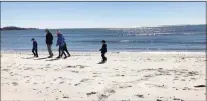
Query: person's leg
(50, 49)
(62, 52)
(105, 57)
(33, 52)
(102, 56)
(65, 49)
(36, 52)
(59, 50)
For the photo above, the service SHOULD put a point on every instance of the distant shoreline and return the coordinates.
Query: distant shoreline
(148, 27)
(16, 28)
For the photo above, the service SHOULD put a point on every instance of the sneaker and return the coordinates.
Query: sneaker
(58, 57)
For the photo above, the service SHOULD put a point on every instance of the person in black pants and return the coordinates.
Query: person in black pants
(34, 49)
(103, 50)
(65, 49)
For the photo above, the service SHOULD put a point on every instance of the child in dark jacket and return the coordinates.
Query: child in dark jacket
(34, 48)
(103, 50)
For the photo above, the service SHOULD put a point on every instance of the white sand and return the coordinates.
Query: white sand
(125, 76)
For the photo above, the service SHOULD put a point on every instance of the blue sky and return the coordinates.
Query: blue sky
(101, 14)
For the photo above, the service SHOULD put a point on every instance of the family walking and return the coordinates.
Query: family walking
(62, 46)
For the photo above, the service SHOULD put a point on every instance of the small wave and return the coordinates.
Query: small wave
(124, 41)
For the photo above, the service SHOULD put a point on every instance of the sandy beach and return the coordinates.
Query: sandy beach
(126, 76)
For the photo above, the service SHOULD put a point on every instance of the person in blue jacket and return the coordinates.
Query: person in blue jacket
(34, 48)
(103, 50)
(60, 43)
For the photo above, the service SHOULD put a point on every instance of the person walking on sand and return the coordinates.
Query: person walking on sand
(34, 48)
(49, 39)
(60, 43)
(103, 50)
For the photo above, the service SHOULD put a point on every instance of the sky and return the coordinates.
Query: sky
(101, 14)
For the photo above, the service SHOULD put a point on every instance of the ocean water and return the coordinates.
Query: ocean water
(169, 38)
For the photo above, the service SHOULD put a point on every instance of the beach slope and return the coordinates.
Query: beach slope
(125, 76)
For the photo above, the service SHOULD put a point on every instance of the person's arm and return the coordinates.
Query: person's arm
(36, 45)
(57, 41)
(33, 45)
(105, 47)
(46, 38)
(51, 37)
(101, 48)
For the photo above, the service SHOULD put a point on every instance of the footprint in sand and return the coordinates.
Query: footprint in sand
(57, 69)
(182, 79)
(65, 97)
(83, 80)
(125, 86)
(186, 88)
(29, 69)
(6, 70)
(102, 96)
(74, 71)
(140, 96)
(178, 99)
(27, 81)
(125, 100)
(35, 83)
(106, 94)
(15, 83)
(61, 82)
(91, 93)
(77, 66)
(200, 86)
(77, 84)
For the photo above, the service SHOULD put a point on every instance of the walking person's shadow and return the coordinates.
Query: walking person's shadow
(102, 62)
(28, 58)
(41, 58)
(53, 59)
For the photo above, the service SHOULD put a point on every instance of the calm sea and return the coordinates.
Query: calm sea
(169, 38)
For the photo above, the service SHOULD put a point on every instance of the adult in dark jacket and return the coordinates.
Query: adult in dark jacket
(34, 48)
(49, 39)
(103, 50)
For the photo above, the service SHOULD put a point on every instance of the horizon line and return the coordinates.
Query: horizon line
(110, 27)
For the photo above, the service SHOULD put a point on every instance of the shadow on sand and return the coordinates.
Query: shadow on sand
(41, 58)
(53, 59)
(102, 62)
(29, 58)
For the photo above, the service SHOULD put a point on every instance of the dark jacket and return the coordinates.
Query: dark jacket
(34, 45)
(49, 38)
(103, 48)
